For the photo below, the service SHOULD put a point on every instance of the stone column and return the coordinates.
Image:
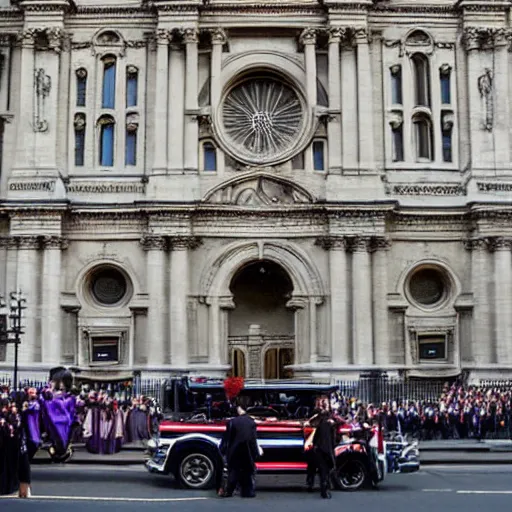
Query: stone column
(340, 345)
(365, 101)
(501, 100)
(302, 332)
(191, 39)
(176, 108)
(27, 283)
(160, 102)
(380, 301)
(503, 299)
(313, 330)
(214, 348)
(155, 275)
(362, 302)
(219, 39)
(51, 320)
(25, 140)
(334, 126)
(308, 40)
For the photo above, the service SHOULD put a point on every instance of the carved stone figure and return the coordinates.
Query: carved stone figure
(485, 87)
(42, 88)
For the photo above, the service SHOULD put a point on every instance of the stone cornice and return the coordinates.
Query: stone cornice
(46, 5)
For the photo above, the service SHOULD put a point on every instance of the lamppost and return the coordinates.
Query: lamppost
(11, 327)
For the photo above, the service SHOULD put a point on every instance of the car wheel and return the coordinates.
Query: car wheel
(196, 471)
(351, 475)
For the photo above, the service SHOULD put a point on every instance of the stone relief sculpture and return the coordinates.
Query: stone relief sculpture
(260, 191)
(262, 118)
(485, 87)
(42, 88)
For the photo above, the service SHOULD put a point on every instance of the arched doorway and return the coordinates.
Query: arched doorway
(261, 325)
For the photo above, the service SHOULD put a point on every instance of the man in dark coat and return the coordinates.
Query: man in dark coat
(240, 448)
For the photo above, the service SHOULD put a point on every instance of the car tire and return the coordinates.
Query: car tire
(351, 475)
(196, 470)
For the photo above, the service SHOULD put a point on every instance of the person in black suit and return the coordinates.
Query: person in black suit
(240, 448)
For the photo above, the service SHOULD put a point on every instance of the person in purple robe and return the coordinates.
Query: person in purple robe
(31, 417)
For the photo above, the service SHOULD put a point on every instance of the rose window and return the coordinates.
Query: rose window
(262, 118)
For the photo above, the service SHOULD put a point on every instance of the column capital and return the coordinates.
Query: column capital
(182, 243)
(218, 36)
(472, 244)
(29, 241)
(153, 243)
(360, 244)
(55, 36)
(190, 35)
(308, 36)
(336, 34)
(162, 36)
(9, 242)
(54, 242)
(380, 243)
(361, 35)
(332, 243)
(485, 38)
(27, 38)
(499, 243)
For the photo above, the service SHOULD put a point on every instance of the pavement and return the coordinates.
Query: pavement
(60, 488)
(431, 452)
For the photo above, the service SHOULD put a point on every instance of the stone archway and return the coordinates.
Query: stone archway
(308, 293)
(261, 325)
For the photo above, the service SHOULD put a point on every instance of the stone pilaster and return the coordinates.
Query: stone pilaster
(365, 100)
(179, 290)
(27, 281)
(51, 318)
(338, 273)
(160, 102)
(156, 349)
(481, 340)
(501, 247)
(362, 300)
(334, 127)
(191, 40)
(380, 247)
(175, 137)
(308, 40)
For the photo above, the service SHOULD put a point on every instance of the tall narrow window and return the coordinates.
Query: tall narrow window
(423, 139)
(319, 155)
(446, 130)
(421, 80)
(130, 156)
(107, 129)
(79, 124)
(397, 133)
(81, 87)
(396, 84)
(109, 82)
(444, 77)
(209, 157)
(132, 85)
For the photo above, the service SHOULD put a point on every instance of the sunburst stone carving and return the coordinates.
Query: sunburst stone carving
(262, 118)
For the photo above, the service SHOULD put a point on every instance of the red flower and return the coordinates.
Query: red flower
(233, 386)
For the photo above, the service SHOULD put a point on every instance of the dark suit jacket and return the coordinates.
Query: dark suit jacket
(239, 443)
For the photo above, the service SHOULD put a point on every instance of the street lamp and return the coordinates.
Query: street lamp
(11, 327)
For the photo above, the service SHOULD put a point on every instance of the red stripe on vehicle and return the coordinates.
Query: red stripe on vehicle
(283, 466)
(221, 428)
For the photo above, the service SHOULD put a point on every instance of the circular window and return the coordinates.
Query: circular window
(428, 286)
(262, 119)
(108, 286)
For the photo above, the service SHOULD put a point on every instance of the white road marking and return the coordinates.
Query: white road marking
(484, 492)
(91, 498)
(437, 490)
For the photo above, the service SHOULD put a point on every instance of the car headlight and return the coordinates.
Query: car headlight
(153, 444)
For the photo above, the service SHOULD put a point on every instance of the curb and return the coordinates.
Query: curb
(466, 462)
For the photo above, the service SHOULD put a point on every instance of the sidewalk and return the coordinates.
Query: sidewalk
(431, 452)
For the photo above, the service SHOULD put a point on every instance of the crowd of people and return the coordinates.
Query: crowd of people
(461, 412)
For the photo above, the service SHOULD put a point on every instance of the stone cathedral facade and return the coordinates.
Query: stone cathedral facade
(268, 188)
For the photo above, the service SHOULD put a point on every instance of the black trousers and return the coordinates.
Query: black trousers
(321, 462)
(245, 478)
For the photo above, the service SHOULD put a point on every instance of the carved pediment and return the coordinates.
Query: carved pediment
(259, 191)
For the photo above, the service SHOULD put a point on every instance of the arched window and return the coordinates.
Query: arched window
(107, 134)
(423, 138)
(421, 80)
(79, 124)
(81, 87)
(276, 359)
(319, 155)
(209, 156)
(109, 82)
(132, 85)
